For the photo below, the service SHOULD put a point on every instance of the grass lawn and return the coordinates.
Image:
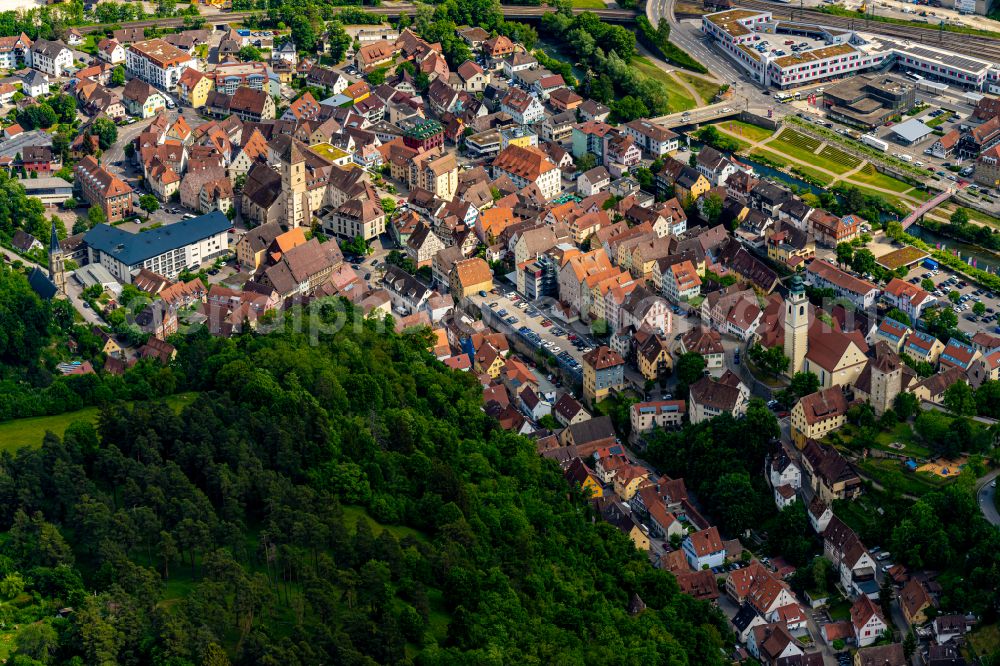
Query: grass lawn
(840, 157)
(589, 4)
(903, 434)
(800, 147)
(678, 98)
(891, 475)
(869, 175)
(977, 216)
(745, 130)
(984, 640)
(29, 432)
(706, 89)
(940, 120)
(812, 174)
(352, 514)
(770, 156)
(840, 610)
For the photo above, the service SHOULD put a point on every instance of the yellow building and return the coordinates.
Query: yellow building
(579, 474)
(818, 414)
(628, 481)
(488, 360)
(693, 187)
(470, 276)
(653, 359)
(194, 87)
(109, 346)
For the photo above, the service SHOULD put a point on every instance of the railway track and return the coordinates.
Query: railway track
(389, 11)
(984, 48)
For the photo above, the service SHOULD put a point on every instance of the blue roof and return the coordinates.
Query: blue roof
(133, 249)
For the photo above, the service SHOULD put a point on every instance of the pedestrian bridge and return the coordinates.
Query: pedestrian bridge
(925, 208)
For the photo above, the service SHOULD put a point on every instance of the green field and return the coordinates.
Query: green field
(678, 98)
(820, 177)
(772, 157)
(745, 130)
(29, 432)
(706, 89)
(802, 148)
(869, 175)
(985, 639)
(838, 156)
(589, 4)
(892, 476)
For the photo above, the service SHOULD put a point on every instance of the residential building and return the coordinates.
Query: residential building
(866, 617)
(470, 276)
(52, 58)
(816, 415)
(824, 275)
(704, 549)
(102, 188)
(830, 475)
(142, 100)
(645, 416)
(711, 397)
(527, 166)
(158, 63)
(166, 251)
(910, 299)
(603, 372)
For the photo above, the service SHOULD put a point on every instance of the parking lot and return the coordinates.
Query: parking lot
(538, 329)
(969, 293)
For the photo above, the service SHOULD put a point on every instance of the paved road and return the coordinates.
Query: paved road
(986, 496)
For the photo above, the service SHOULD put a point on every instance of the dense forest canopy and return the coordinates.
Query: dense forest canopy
(248, 529)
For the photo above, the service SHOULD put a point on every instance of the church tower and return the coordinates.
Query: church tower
(796, 326)
(293, 184)
(57, 263)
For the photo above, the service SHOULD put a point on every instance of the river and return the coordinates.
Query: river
(984, 258)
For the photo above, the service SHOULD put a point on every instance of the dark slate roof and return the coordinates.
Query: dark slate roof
(41, 284)
(132, 249)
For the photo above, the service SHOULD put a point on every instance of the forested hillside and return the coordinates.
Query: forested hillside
(249, 528)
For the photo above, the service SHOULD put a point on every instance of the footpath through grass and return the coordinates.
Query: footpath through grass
(29, 432)
(707, 90)
(678, 98)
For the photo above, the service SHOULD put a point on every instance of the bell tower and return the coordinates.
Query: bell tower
(57, 263)
(796, 326)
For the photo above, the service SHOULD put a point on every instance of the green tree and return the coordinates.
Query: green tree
(899, 315)
(845, 254)
(105, 131)
(388, 205)
(712, 207)
(864, 261)
(149, 203)
(599, 328)
(959, 399)
(954, 296)
(927, 284)
(95, 215)
(960, 217)
(118, 76)
(905, 405)
(38, 641)
(979, 308)
(802, 384)
(910, 642)
(585, 162)
(629, 108)
(249, 53)
(770, 361)
(690, 367)
(376, 77)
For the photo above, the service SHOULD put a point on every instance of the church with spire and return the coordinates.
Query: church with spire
(57, 263)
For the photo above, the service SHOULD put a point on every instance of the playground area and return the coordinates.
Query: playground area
(946, 469)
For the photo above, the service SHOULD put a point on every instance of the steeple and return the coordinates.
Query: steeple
(796, 325)
(57, 263)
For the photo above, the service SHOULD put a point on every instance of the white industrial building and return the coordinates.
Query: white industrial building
(785, 54)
